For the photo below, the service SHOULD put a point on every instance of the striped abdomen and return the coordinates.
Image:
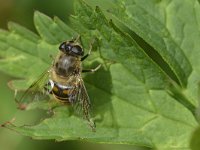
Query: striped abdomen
(62, 92)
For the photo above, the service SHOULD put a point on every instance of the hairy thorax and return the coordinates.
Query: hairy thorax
(66, 65)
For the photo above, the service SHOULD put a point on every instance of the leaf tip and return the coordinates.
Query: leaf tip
(8, 123)
(38, 13)
(10, 24)
(10, 84)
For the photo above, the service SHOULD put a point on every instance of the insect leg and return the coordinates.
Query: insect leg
(76, 39)
(84, 57)
(91, 70)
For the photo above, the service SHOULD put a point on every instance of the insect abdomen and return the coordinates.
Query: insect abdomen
(63, 93)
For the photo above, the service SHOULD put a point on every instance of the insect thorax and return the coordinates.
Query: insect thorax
(66, 65)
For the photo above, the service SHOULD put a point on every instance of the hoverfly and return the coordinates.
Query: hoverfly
(63, 80)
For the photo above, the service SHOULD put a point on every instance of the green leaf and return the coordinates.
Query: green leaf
(174, 37)
(151, 20)
(129, 94)
(195, 140)
(49, 29)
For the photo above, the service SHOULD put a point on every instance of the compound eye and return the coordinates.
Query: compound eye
(65, 47)
(77, 50)
(62, 46)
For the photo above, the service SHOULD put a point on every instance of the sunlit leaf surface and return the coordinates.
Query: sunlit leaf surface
(135, 100)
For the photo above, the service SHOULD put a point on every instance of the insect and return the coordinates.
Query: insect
(63, 80)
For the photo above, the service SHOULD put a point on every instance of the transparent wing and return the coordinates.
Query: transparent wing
(36, 91)
(82, 103)
(84, 100)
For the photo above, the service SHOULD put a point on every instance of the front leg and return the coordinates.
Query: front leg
(91, 70)
(84, 57)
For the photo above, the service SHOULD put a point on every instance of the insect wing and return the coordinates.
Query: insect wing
(84, 100)
(82, 103)
(37, 91)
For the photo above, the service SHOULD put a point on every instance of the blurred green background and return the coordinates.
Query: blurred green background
(21, 11)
